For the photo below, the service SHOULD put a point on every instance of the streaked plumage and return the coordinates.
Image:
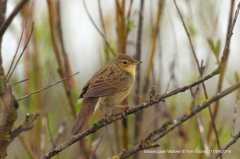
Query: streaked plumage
(108, 87)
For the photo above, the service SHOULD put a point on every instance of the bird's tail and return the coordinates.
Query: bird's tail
(85, 113)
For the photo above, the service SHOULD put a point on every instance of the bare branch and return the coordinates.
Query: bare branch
(27, 124)
(188, 35)
(103, 36)
(227, 145)
(92, 156)
(7, 22)
(21, 54)
(59, 134)
(18, 82)
(46, 87)
(199, 120)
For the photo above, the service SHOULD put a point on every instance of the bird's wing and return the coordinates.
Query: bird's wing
(106, 81)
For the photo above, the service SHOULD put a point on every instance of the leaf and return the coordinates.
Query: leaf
(218, 47)
(75, 94)
(215, 49)
(211, 44)
(236, 76)
(131, 25)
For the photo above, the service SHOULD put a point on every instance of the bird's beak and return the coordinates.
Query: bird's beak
(136, 63)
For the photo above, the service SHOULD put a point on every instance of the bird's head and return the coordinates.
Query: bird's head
(126, 63)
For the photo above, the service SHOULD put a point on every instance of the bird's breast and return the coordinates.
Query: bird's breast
(114, 99)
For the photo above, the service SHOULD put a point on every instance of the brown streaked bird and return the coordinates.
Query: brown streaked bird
(107, 87)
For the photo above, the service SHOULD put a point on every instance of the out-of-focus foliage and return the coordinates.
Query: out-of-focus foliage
(206, 22)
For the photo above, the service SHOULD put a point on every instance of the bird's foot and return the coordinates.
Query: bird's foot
(123, 107)
(106, 115)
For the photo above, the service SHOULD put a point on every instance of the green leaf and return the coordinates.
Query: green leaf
(218, 47)
(131, 25)
(215, 48)
(229, 81)
(211, 44)
(236, 76)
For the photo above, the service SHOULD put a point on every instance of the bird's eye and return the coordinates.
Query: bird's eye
(124, 62)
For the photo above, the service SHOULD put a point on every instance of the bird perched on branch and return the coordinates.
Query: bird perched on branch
(107, 88)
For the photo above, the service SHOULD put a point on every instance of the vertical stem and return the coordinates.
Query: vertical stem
(150, 63)
(125, 129)
(104, 29)
(120, 26)
(3, 4)
(138, 116)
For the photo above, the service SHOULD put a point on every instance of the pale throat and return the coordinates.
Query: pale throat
(131, 69)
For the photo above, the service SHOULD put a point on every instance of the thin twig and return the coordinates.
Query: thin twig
(7, 22)
(234, 114)
(227, 145)
(92, 156)
(110, 143)
(199, 120)
(188, 35)
(104, 28)
(18, 82)
(103, 36)
(60, 132)
(46, 87)
(49, 129)
(15, 53)
(204, 139)
(29, 150)
(43, 136)
(21, 53)
(65, 56)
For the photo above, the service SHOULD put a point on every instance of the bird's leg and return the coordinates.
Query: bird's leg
(106, 115)
(123, 107)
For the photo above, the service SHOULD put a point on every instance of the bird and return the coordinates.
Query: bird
(108, 87)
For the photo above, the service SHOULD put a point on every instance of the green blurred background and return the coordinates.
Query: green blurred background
(172, 66)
